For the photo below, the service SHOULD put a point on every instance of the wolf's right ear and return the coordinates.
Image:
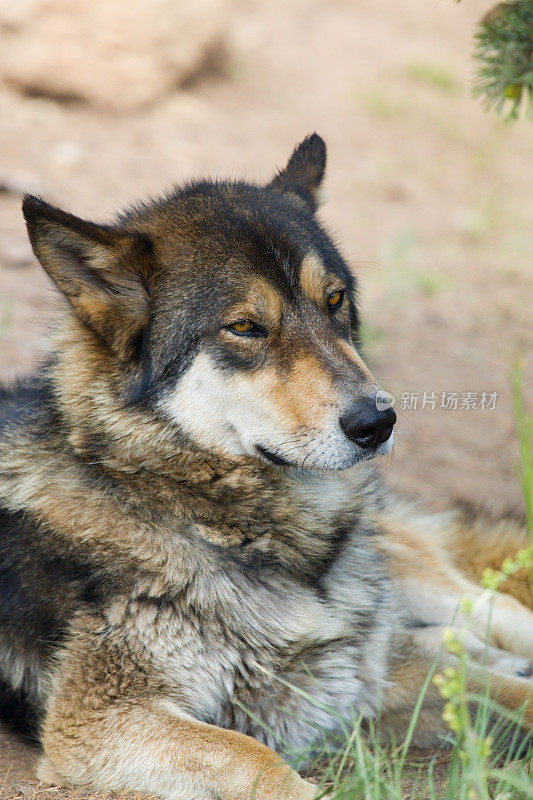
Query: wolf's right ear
(304, 173)
(104, 271)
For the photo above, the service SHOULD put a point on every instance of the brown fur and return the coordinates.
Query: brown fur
(482, 544)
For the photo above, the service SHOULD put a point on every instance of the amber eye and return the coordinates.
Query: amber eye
(244, 327)
(335, 298)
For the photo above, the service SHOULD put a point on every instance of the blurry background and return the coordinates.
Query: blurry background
(430, 197)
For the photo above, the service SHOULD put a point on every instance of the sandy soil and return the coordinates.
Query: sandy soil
(429, 197)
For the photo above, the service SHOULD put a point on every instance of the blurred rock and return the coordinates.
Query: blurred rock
(18, 183)
(112, 53)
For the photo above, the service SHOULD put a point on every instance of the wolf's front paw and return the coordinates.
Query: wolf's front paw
(299, 789)
(510, 664)
(305, 791)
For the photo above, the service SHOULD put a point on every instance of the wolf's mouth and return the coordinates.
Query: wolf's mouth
(279, 461)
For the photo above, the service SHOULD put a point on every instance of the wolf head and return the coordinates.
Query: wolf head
(227, 312)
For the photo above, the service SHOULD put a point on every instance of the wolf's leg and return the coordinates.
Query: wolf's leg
(111, 724)
(414, 656)
(478, 650)
(147, 748)
(430, 588)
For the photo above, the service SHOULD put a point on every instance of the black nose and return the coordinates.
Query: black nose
(366, 425)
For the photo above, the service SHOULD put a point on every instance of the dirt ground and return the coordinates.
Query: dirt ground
(429, 196)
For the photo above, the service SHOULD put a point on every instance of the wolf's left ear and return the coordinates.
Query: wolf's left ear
(304, 172)
(103, 271)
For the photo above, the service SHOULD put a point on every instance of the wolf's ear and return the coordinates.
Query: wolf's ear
(103, 271)
(304, 172)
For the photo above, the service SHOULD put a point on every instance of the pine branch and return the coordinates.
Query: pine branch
(504, 52)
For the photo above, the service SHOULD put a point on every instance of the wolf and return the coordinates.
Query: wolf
(202, 572)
